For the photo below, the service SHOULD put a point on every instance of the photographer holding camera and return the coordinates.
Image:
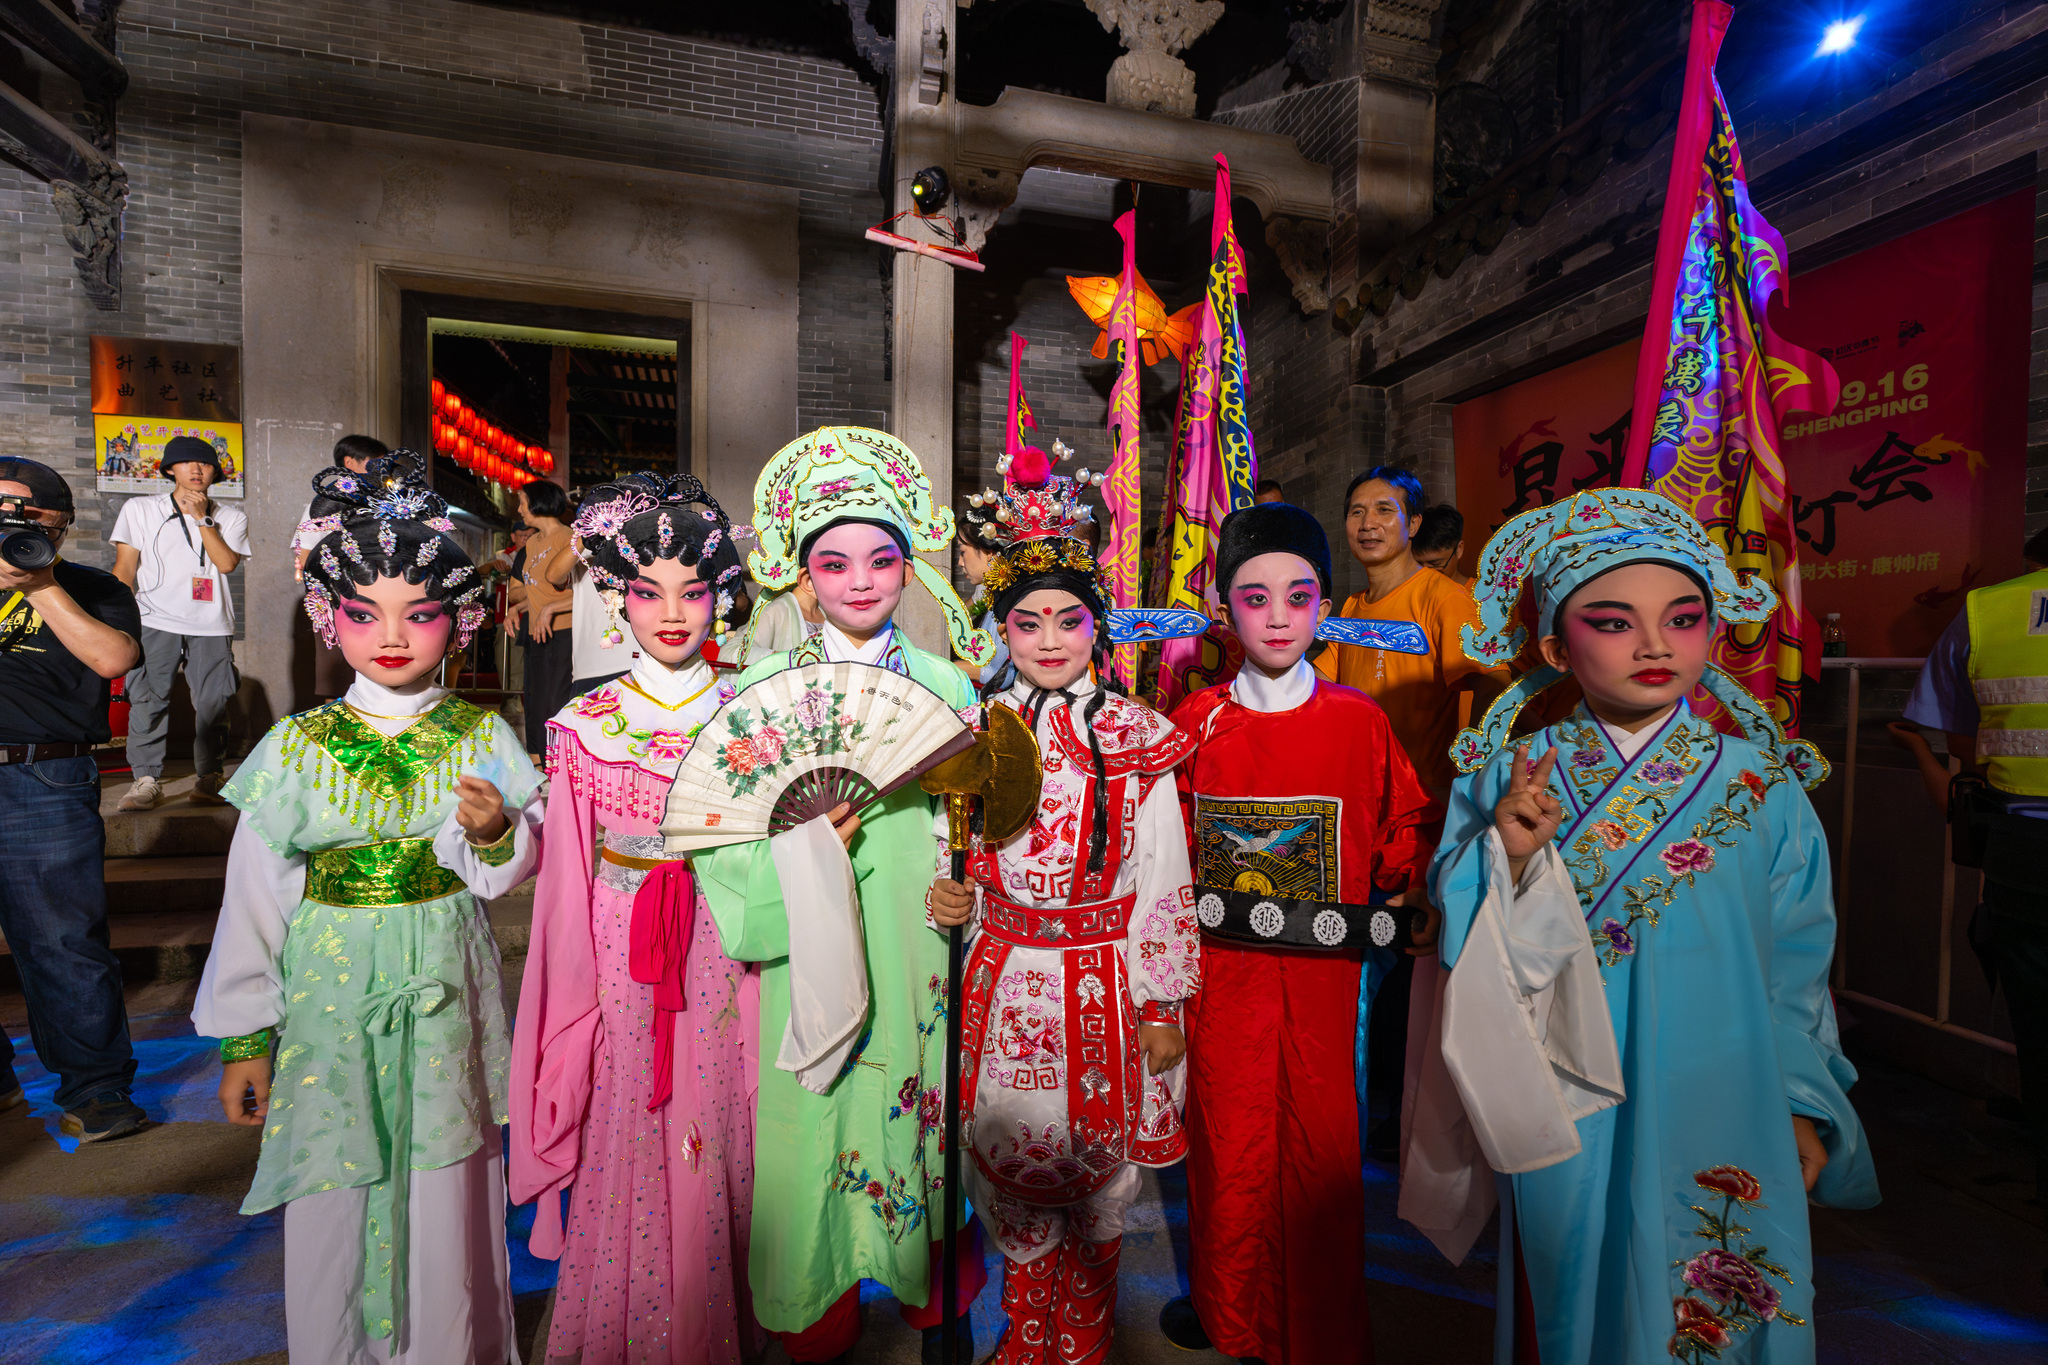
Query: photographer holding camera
(65, 632)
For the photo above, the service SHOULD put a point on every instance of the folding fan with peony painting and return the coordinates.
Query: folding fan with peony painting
(799, 742)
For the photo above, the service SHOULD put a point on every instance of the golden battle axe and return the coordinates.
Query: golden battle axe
(1000, 774)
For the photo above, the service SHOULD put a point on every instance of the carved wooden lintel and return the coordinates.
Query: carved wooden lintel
(87, 188)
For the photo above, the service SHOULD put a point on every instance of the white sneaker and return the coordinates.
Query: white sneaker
(144, 795)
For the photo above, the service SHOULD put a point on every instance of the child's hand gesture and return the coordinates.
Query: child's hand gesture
(1163, 1045)
(482, 812)
(245, 1091)
(952, 903)
(1527, 815)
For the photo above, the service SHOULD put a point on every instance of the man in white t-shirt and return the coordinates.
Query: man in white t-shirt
(176, 550)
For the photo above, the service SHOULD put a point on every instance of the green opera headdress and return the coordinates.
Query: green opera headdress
(856, 474)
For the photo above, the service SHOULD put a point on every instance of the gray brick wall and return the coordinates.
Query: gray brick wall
(439, 68)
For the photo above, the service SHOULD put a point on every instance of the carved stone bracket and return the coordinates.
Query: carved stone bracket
(1304, 251)
(983, 197)
(90, 215)
(1150, 76)
(931, 70)
(1395, 40)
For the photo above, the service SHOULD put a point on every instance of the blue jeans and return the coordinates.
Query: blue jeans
(53, 910)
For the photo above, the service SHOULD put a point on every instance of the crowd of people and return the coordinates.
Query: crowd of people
(1572, 935)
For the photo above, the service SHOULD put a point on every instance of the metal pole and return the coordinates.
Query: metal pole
(1841, 972)
(1948, 915)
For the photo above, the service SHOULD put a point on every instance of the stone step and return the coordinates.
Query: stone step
(177, 828)
(156, 886)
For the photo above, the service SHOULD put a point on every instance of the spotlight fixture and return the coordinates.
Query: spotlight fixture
(1839, 37)
(931, 190)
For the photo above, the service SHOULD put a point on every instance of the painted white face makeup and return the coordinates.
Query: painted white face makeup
(669, 609)
(1276, 602)
(1051, 636)
(1636, 638)
(858, 573)
(392, 633)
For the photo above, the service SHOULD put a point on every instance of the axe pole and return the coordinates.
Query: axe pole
(956, 939)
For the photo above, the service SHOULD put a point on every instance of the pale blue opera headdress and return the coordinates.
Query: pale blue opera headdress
(1552, 551)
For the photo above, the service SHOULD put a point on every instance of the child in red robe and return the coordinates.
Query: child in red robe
(1301, 805)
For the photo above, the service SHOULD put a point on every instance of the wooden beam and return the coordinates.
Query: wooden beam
(577, 381)
(663, 416)
(43, 147)
(55, 36)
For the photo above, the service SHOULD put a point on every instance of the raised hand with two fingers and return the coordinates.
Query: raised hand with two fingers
(1527, 815)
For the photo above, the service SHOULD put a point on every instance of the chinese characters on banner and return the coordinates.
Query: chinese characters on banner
(1905, 497)
(145, 392)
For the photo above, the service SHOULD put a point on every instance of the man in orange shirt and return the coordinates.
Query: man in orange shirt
(1419, 693)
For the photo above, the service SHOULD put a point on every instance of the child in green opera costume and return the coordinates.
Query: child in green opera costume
(848, 1135)
(352, 943)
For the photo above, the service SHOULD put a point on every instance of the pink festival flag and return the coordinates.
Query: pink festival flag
(1715, 381)
(1214, 468)
(1020, 407)
(1121, 490)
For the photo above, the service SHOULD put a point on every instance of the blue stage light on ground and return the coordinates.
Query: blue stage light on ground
(1839, 37)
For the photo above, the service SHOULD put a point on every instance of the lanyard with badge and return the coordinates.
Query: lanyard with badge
(202, 584)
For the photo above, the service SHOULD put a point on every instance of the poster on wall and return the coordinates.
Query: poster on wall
(128, 452)
(146, 392)
(1905, 497)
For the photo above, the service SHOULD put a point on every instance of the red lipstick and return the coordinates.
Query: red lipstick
(391, 661)
(1654, 677)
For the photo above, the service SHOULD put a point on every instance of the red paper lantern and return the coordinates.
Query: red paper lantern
(462, 448)
(451, 405)
(439, 389)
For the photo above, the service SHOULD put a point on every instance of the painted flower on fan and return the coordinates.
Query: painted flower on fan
(1611, 834)
(1732, 1181)
(739, 755)
(768, 742)
(1728, 1278)
(813, 708)
(1695, 1320)
(727, 691)
(1687, 856)
(1617, 936)
(666, 745)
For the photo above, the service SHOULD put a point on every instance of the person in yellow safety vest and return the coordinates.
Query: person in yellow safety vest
(1985, 686)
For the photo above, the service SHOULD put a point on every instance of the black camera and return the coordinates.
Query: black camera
(24, 544)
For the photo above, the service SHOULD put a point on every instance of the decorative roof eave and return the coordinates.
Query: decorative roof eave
(1619, 128)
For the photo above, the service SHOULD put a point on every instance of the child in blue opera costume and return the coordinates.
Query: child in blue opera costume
(1636, 1032)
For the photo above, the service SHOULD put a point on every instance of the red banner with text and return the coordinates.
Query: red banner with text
(1906, 496)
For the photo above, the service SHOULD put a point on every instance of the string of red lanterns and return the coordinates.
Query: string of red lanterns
(485, 450)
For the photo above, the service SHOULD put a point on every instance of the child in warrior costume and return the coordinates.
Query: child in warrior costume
(847, 1136)
(634, 1052)
(1637, 928)
(1085, 947)
(1303, 805)
(351, 941)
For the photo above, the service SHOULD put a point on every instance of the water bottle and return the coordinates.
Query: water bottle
(1832, 645)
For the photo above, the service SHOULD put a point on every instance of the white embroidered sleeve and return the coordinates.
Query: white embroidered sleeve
(1162, 941)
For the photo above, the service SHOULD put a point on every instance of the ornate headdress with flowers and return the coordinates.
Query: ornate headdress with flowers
(837, 474)
(1037, 519)
(624, 526)
(1550, 552)
(386, 523)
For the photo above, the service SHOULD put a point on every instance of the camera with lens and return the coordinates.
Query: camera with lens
(23, 542)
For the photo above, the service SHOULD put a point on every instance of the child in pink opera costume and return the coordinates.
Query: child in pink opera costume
(635, 1045)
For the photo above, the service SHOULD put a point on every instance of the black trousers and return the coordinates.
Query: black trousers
(548, 683)
(2015, 947)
